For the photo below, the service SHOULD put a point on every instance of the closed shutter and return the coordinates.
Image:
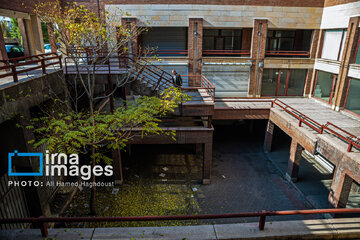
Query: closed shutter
(229, 80)
(165, 38)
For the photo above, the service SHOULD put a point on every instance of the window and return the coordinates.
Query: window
(280, 82)
(325, 86)
(222, 39)
(353, 96)
(281, 43)
(333, 44)
(357, 52)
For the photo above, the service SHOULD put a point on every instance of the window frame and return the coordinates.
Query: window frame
(287, 70)
(332, 90)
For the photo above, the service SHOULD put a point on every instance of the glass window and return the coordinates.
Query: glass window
(290, 82)
(333, 44)
(357, 56)
(269, 82)
(296, 82)
(324, 85)
(353, 98)
(222, 39)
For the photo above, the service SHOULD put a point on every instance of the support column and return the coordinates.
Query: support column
(347, 56)
(24, 36)
(207, 163)
(268, 136)
(3, 53)
(340, 189)
(294, 161)
(131, 23)
(52, 38)
(117, 165)
(310, 77)
(38, 41)
(257, 56)
(30, 30)
(195, 38)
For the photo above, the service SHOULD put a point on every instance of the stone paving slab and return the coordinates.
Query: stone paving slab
(338, 228)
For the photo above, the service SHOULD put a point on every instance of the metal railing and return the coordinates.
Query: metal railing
(166, 53)
(351, 139)
(233, 53)
(344, 135)
(41, 222)
(287, 54)
(42, 61)
(198, 82)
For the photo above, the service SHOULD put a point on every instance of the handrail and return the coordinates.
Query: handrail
(204, 84)
(168, 52)
(13, 63)
(302, 118)
(287, 53)
(353, 141)
(42, 221)
(226, 52)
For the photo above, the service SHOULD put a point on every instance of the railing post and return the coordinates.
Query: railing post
(272, 104)
(43, 66)
(60, 62)
(43, 228)
(13, 70)
(262, 220)
(350, 146)
(300, 122)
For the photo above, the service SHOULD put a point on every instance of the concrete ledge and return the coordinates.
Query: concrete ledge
(340, 228)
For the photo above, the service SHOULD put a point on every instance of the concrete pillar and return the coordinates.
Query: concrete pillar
(340, 189)
(25, 36)
(52, 38)
(31, 33)
(38, 41)
(207, 163)
(347, 56)
(117, 165)
(130, 23)
(257, 56)
(268, 136)
(294, 161)
(195, 38)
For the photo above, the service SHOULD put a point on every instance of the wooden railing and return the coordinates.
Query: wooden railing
(42, 61)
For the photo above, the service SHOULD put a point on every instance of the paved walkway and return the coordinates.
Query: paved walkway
(307, 229)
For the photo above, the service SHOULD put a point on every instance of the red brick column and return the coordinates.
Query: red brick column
(195, 38)
(52, 38)
(315, 43)
(340, 189)
(310, 78)
(294, 161)
(257, 56)
(207, 163)
(131, 22)
(269, 136)
(348, 55)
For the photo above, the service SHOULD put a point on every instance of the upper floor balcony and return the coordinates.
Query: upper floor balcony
(288, 43)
